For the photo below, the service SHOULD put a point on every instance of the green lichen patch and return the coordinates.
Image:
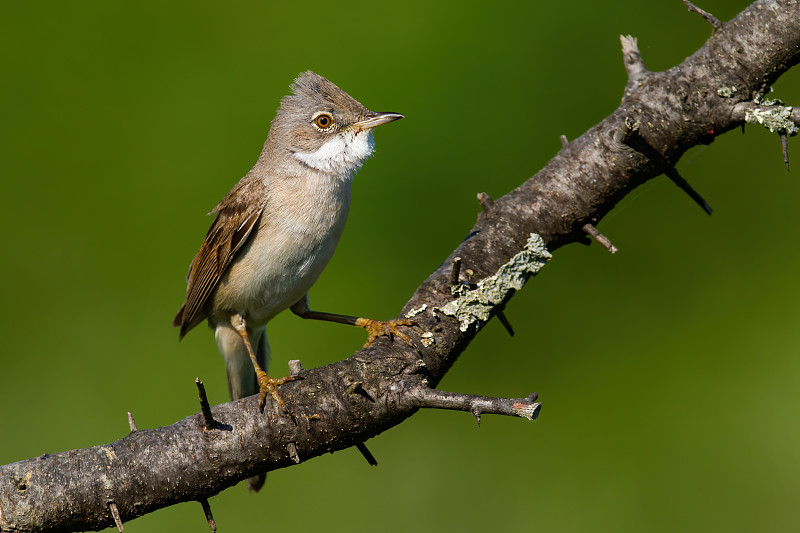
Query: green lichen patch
(776, 118)
(475, 306)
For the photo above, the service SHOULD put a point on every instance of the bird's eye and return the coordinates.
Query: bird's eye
(323, 121)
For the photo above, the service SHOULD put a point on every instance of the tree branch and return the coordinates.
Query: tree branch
(662, 114)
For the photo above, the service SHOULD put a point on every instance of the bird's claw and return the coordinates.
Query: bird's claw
(380, 328)
(268, 385)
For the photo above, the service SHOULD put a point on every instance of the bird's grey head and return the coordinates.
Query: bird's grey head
(323, 127)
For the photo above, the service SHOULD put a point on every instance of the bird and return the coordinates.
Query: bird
(277, 229)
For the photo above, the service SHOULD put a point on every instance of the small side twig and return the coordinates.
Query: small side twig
(564, 141)
(115, 513)
(527, 408)
(601, 239)
(209, 516)
(361, 447)
(711, 19)
(208, 418)
(132, 422)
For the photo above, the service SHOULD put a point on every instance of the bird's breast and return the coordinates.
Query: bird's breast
(296, 238)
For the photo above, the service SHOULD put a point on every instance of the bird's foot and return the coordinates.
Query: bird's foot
(268, 385)
(380, 328)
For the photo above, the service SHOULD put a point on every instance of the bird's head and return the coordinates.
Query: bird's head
(323, 127)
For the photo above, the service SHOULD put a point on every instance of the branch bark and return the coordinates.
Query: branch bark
(662, 114)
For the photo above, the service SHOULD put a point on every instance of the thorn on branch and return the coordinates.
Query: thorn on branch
(132, 422)
(357, 387)
(209, 516)
(115, 513)
(785, 147)
(600, 238)
(564, 141)
(485, 200)
(292, 449)
(711, 19)
(477, 414)
(208, 418)
(455, 272)
(625, 134)
(366, 453)
(678, 180)
(634, 64)
(501, 316)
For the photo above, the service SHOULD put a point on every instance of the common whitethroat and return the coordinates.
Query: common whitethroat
(277, 229)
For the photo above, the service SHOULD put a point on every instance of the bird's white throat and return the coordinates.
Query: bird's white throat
(341, 155)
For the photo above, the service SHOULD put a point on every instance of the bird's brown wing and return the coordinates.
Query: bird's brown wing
(237, 215)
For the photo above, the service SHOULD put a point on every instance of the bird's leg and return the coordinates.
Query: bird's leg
(375, 328)
(266, 384)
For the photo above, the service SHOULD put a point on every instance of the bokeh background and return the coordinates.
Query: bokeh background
(669, 372)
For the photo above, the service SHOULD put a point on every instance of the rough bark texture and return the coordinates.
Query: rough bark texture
(337, 406)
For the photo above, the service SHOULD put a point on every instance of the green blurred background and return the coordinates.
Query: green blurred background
(669, 372)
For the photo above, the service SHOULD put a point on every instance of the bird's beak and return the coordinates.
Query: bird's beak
(375, 118)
